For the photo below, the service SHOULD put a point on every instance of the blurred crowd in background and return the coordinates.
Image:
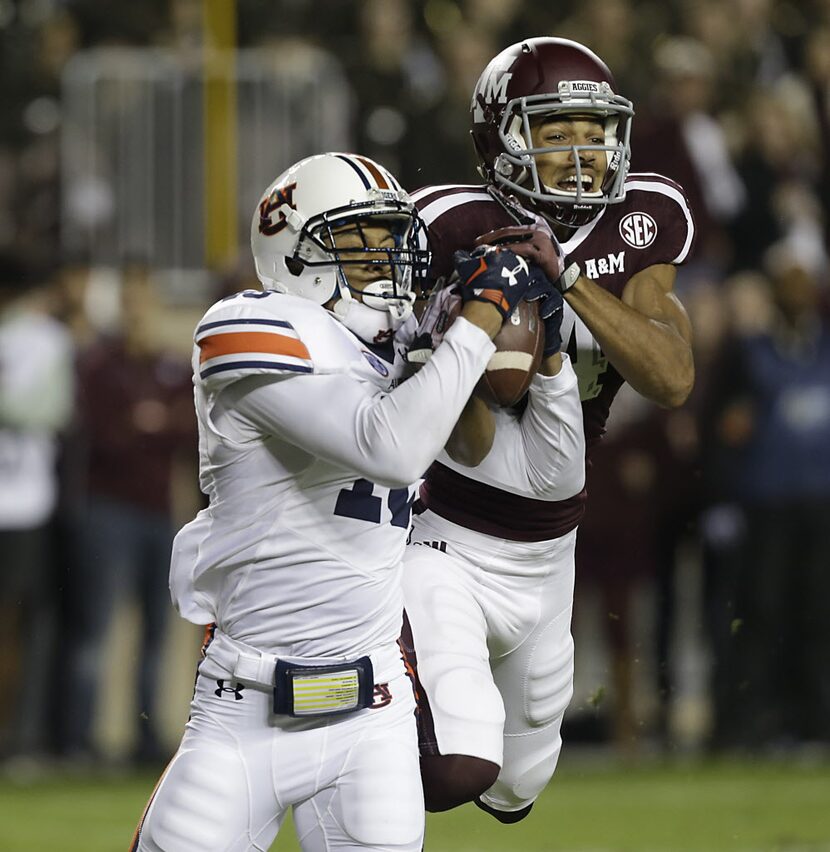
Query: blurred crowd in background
(708, 527)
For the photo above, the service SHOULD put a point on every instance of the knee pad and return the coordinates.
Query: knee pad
(465, 697)
(466, 711)
(454, 779)
(549, 685)
(520, 782)
(379, 804)
(197, 805)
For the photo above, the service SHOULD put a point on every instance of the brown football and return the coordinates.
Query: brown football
(518, 354)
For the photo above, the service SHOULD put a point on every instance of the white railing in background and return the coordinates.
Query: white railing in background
(132, 144)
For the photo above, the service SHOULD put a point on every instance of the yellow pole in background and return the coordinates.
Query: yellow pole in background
(219, 126)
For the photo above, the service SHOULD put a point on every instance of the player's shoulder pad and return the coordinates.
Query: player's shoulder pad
(665, 202)
(261, 333)
(455, 215)
(434, 201)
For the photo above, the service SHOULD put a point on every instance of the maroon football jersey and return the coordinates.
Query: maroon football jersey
(652, 225)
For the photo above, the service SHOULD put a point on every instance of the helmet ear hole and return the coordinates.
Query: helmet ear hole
(294, 266)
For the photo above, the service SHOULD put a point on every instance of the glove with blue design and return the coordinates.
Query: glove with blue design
(493, 275)
(551, 305)
(539, 246)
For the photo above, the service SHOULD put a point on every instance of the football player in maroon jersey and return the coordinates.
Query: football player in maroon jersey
(489, 590)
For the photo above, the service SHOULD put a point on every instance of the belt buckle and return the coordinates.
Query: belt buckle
(302, 690)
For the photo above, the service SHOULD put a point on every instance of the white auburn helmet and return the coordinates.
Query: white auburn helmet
(293, 244)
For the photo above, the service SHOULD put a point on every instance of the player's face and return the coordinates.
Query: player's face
(363, 267)
(558, 169)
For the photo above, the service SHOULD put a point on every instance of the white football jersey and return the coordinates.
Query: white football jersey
(308, 461)
(538, 453)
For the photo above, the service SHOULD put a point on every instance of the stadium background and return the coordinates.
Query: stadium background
(143, 134)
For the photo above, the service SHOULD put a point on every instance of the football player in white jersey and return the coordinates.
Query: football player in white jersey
(308, 450)
(488, 580)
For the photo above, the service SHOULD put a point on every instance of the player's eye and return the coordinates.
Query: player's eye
(348, 242)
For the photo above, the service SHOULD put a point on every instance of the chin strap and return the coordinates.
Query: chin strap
(371, 325)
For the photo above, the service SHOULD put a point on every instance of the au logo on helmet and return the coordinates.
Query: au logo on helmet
(279, 197)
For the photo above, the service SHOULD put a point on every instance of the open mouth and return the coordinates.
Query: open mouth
(573, 184)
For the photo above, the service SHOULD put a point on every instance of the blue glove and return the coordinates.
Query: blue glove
(535, 244)
(494, 275)
(551, 306)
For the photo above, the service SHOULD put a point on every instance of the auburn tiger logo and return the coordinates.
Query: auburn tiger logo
(382, 696)
(279, 197)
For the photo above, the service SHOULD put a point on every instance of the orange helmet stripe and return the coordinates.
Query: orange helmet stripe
(374, 171)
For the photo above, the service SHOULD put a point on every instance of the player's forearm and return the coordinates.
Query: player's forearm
(542, 453)
(388, 438)
(553, 438)
(551, 365)
(649, 354)
(485, 316)
(472, 436)
(430, 403)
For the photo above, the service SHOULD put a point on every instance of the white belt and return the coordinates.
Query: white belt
(245, 663)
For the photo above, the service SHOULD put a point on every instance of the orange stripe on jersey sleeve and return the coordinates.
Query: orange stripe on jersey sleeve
(237, 342)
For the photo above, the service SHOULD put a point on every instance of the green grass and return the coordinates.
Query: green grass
(589, 807)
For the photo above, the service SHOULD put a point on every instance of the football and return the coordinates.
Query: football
(518, 354)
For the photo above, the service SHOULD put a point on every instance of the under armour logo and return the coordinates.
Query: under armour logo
(512, 274)
(236, 689)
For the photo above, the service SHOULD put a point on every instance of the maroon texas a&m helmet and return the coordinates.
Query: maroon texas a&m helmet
(545, 77)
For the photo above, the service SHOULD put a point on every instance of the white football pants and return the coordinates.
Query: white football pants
(491, 626)
(353, 780)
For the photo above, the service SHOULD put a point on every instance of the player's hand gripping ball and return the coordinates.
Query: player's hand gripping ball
(535, 244)
(493, 275)
(520, 341)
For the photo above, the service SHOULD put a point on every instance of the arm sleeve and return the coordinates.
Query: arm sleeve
(389, 438)
(542, 453)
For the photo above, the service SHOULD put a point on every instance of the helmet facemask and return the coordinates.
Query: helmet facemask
(318, 246)
(378, 307)
(516, 169)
